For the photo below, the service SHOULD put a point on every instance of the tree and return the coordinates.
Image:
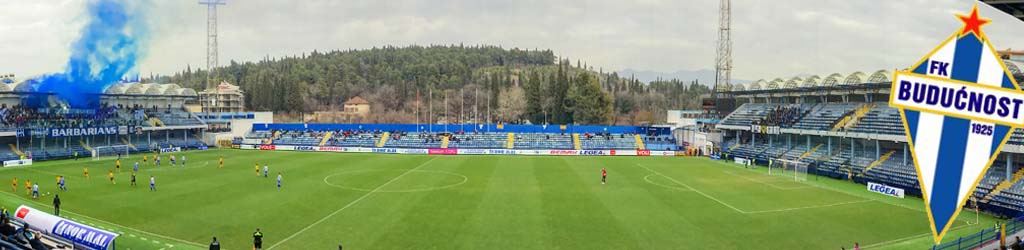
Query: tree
(591, 104)
(511, 104)
(534, 99)
(321, 80)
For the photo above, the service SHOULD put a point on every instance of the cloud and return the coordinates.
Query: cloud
(770, 38)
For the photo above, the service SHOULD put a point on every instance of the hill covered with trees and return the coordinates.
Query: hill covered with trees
(482, 83)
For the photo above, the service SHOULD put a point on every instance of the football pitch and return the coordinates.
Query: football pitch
(381, 201)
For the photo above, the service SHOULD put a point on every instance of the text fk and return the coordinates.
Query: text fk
(938, 68)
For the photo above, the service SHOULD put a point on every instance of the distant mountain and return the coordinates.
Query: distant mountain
(704, 76)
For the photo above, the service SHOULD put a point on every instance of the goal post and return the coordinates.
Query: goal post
(101, 152)
(784, 167)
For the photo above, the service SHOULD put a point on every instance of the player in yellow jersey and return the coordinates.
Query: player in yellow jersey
(117, 164)
(28, 186)
(257, 169)
(111, 176)
(222, 162)
(86, 171)
(144, 158)
(14, 185)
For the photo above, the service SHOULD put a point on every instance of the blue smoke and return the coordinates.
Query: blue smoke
(108, 49)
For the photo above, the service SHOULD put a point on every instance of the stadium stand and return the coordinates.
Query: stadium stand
(882, 119)
(479, 140)
(146, 117)
(834, 124)
(824, 116)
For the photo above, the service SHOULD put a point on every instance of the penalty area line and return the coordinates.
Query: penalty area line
(765, 183)
(694, 189)
(908, 238)
(357, 200)
(810, 207)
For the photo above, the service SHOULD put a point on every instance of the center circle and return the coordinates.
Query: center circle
(405, 181)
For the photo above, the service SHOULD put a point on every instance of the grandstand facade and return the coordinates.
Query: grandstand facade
(842, 125)
(139, 117)
(467, 136)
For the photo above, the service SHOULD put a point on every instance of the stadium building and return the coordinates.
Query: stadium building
(132, 117)
(842, 126)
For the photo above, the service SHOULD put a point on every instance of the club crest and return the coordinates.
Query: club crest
(959, 106)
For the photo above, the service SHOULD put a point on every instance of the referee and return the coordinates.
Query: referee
(257, 239)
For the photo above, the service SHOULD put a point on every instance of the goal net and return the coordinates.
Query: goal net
(107, 152)
(784, 167)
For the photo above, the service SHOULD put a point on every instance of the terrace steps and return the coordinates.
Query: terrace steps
(510, 143)
(576, 142)
(85, 145)
(639, 142)
(272, 137)
(327, 137)
(128, 143)
(859, 114)
(17, 151)
(1003, 185)
(384, 139)
(809, 152)
(155, 122)
(875, 163)
(853, 118)
(734, 146)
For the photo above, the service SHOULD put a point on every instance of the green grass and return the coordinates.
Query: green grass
(377, 201)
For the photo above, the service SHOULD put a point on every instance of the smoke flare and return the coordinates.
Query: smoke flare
(108, 49)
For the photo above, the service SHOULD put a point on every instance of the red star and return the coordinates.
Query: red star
(972, 23)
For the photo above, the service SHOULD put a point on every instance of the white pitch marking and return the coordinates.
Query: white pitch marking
(908, 238)
(763, 182)
(648, 180)
(809, 207)
(694, 189)
(741, 210)
(103, 221)
(825, 187)
(349, 204)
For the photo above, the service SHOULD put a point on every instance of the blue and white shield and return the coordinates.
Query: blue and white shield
(954, 140)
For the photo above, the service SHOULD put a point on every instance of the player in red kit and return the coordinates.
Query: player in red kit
(604, 175)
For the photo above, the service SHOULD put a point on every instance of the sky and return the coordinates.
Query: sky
(770, 38)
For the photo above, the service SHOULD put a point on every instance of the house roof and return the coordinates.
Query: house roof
(356, 101)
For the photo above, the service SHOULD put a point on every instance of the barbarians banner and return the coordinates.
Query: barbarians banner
(959, 106)
(88, 131)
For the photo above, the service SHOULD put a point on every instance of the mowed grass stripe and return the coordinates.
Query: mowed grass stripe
(748, 195)
(435, 219)
(313, 234)
(508, 202)
(219, 202)
(509, 207)
(570, 202)
(640, 207)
